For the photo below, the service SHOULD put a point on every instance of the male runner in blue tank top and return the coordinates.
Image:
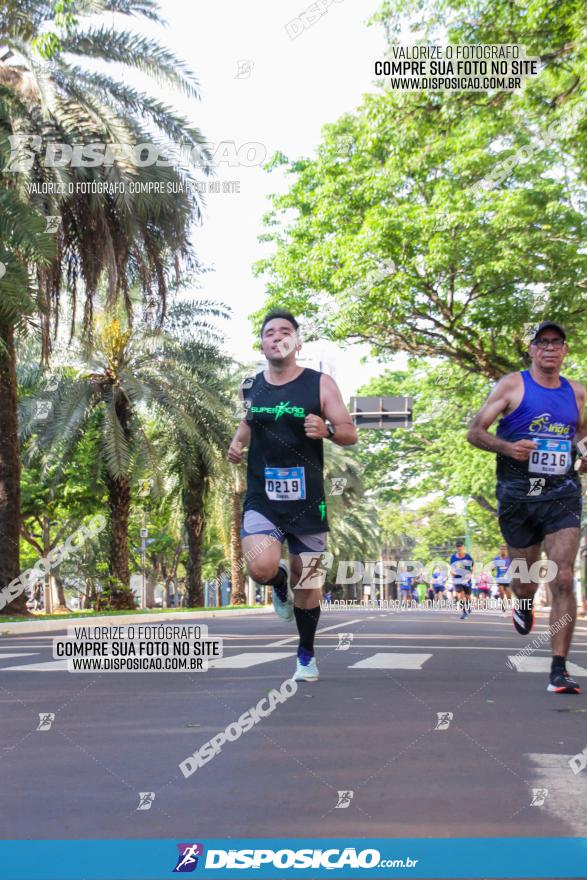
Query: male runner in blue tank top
(289, 412)
(538, 487)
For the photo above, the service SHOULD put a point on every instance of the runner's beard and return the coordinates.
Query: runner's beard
(279, 359)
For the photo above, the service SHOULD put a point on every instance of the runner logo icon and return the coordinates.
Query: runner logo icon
(187, 859)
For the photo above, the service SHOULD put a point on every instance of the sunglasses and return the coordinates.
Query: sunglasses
(557, 342)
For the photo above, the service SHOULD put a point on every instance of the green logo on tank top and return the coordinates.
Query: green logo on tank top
(280, 409)
(322, 509)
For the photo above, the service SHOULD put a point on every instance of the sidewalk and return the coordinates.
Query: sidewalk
(36, 626)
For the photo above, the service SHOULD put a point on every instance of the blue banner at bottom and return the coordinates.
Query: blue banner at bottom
(306, 858)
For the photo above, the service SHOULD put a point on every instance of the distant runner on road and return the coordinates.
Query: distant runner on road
(438, 580)
(538, 489)
(499, 567)
(290, 411)
(461, 569)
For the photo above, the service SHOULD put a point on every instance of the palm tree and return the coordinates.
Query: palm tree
(352, 515)
(129, 238)
(128, 375)
(225, 510)
(198, 458)
(22, 240)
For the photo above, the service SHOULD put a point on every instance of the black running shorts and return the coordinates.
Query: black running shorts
(463, 588)
(524, 523)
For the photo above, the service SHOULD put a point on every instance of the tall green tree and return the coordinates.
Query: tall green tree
(22, 242)
(128, 237)
(198, 456)
(553, 33)
(441, 223)
(389, 243)
(52, 509)
(124, 375)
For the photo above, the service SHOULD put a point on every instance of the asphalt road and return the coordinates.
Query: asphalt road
(369, 726)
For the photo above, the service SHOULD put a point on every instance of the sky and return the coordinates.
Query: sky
(262, 88)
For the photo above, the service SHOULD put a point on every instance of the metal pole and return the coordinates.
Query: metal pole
(143, 562)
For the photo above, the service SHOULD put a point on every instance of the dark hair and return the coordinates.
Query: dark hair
(279, 313)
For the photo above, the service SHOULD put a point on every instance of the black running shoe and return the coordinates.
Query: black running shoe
(562, 683)
(523, 618)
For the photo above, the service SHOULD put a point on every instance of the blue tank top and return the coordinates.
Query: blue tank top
(548, 416)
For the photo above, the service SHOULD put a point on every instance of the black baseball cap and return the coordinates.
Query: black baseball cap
(545, 325)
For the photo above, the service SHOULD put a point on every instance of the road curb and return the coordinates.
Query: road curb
(32, 626)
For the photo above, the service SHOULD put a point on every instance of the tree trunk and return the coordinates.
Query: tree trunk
(237, 572)
(60, 607)
(193, 503)
(150, 584)
(61, 604)
(9, 472)
(119, 505)
(170, 577)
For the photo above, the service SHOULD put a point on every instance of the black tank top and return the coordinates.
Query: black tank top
(285, 468)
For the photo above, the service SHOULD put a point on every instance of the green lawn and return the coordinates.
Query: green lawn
(79, 614)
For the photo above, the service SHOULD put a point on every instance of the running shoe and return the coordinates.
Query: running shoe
(463, 614)
(306, 671)
(562, 683)
(284, 609)
(523, 618)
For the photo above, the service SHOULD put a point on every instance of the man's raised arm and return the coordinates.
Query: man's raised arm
(241, 439)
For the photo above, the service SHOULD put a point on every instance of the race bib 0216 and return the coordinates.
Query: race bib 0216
(285, 484)
(550, 456)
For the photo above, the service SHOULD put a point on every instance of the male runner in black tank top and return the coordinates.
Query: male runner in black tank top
(289, 412)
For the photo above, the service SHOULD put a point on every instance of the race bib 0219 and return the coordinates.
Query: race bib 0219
(285, 484)
(550, 456)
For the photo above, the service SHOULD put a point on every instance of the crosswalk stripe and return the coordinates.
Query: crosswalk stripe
(379, 660)
(541, 664)
(319, 632)
(20, 654)
(244, 661)
(390, 660)
(237, 661)
(50, 666)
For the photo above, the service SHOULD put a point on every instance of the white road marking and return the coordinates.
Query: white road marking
(318, 632)
(243, 661)
(541, 664)
(20, 654)
(566, 791)
(392, 661)
(50, 666)
(444, 637)
(237, 661)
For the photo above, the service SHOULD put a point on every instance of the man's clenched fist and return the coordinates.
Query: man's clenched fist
(315, 427)
(235, 452)
(522, 449)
